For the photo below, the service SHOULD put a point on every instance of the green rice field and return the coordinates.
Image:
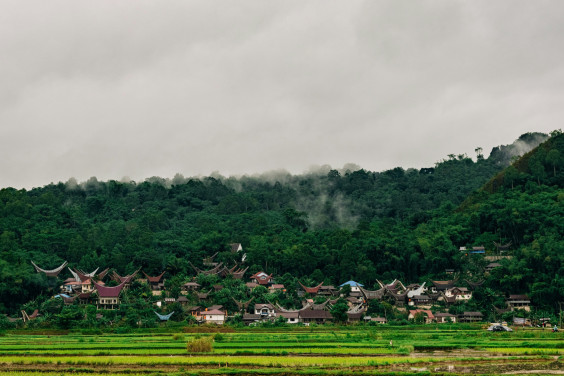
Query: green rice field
(287, 351)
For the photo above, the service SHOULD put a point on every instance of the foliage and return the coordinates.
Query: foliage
(201, 345)
(329, 226)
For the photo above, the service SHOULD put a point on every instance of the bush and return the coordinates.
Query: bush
(405, 349)
(200, 345)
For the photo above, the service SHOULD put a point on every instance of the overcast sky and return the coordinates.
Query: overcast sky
(136, 89)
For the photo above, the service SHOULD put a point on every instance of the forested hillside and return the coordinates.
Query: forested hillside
(328, 226)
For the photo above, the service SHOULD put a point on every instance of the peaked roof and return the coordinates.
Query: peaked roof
(311, 290)
(262, 278)
(352, 284)
(50, 273)
(156, 279)
(109, 292)
(128, 278)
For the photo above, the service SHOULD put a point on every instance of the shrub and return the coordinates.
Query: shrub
(405, 349)
(201, 345)
(178, 337)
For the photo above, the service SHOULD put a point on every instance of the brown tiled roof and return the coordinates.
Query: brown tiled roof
(289, 315)
(315, 314)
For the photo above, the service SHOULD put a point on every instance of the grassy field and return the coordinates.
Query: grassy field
(250, 351)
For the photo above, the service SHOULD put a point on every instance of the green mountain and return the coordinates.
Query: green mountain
(329, 226)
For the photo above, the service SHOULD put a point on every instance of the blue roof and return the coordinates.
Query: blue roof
(352, 284)
(62, 295)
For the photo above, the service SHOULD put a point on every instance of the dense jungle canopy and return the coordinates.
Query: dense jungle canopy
(330, 225)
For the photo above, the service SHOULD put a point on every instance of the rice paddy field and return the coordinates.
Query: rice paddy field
(437, 350)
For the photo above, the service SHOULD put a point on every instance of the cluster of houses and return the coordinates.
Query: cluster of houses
(416, 300)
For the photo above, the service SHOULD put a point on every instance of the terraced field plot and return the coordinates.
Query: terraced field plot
(254, 351)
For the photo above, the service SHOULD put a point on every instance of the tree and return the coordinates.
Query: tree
(553, 157)
(339, 311)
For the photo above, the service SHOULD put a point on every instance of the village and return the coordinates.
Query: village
(421, 303)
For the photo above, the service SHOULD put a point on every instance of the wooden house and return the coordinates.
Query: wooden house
(262, 279)
(518, 302)
(108, 297)
(471, 317)
(156, 283)
(308, 316)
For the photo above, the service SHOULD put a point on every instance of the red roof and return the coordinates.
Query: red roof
(154, 279)
(109, 292)
(311, 290)
(262, 278)
(425, 311)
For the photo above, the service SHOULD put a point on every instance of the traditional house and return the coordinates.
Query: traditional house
(317, 316)
(190, 286)
(373, 294)
(182, 300)
(519, 302)
(309, 290)
(327, 291)
(156, 283)
(214, 316)
(262, 279)
(265, 310)
(251, 318)
(416, 289)
(202, 295)
(215, 270)
(108, 297)
(442, 286)
(50, 273)
(429, 317)
(491, 266)
(470, 317)
(125, 280)
(355, 315)
(420, 300)
(445, 318)
(236, 247)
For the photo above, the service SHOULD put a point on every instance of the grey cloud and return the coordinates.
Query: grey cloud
(140, 88)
